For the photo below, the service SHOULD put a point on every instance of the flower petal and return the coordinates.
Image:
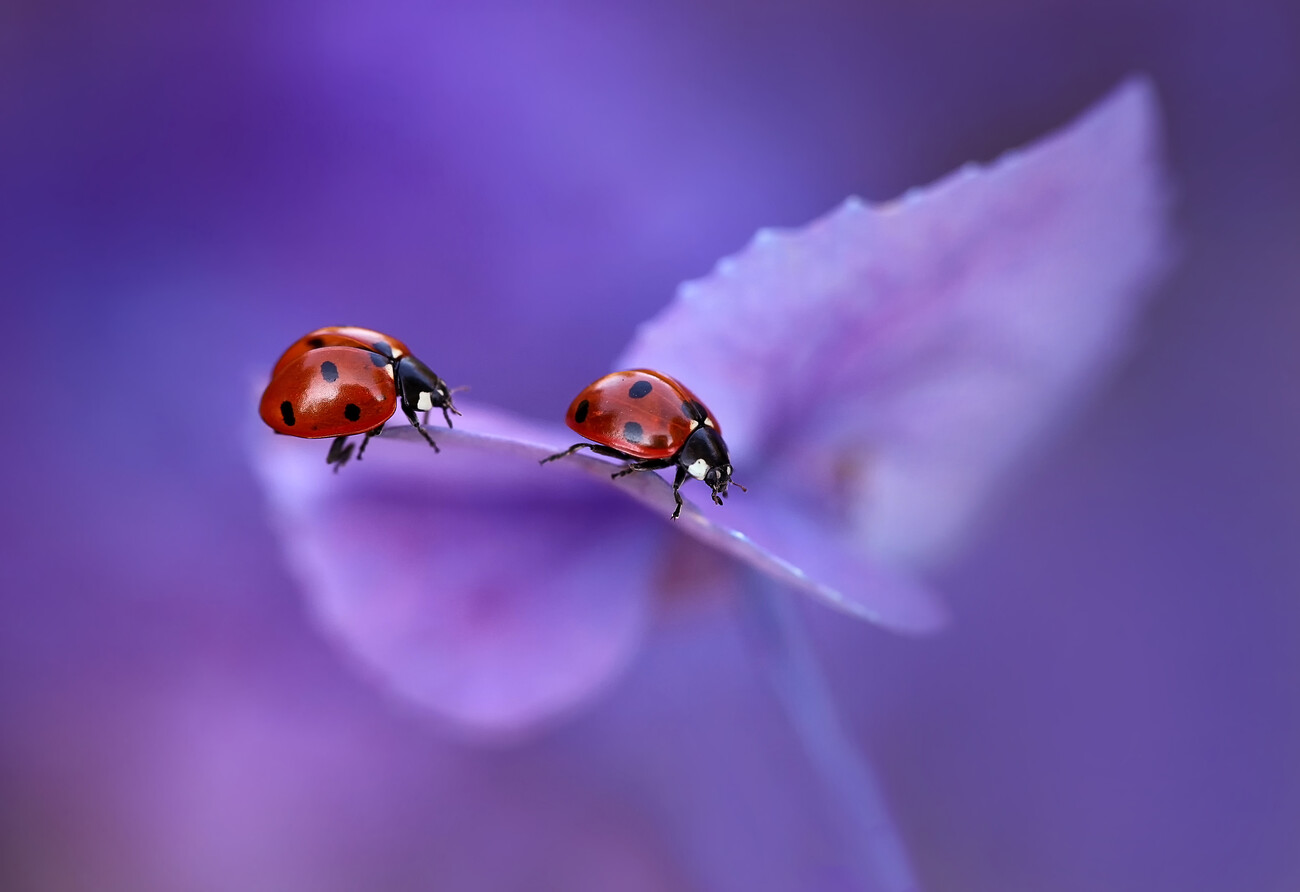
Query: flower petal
(831, 573)
(881, 367)
(499, 594)
(469, 582)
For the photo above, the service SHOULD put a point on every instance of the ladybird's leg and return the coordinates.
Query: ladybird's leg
(572, 449)
(444, 403)
(408, 408)
(608, 450)
(446, 414)
(415, 423)
(594, 447)
(649, 464)
(366, 439)
(340, 452)
(677, 485)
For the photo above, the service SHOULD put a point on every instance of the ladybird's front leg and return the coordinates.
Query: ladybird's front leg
(447, 411)
(340, 452)
(677, 485)
(415, 423)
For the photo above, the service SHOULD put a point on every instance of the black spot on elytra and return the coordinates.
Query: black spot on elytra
(640, 389)
(315, 343)
(632, 432)
(329, 371)
(286, 412)
(580, 414)
(352, 412)
(378, 361)
(694, 410)
(381, 347)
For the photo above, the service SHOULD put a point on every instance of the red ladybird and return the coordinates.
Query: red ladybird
(653, 422)
(341, 381)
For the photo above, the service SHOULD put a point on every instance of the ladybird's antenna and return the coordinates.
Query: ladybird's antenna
(458, 389)
(741, 485)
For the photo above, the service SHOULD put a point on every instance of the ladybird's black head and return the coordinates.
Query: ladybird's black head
(421, 390)
(718, 479)
(441, 397)
(705, 457)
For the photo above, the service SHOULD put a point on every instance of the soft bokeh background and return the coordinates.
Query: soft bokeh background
(188, 187)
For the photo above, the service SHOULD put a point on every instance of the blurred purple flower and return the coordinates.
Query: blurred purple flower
(875, 373)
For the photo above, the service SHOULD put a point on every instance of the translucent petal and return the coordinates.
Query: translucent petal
(761, 538)
(468, 582)
(881, 367)
(498, 593)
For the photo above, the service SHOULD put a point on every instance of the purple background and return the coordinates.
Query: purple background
(187, 188)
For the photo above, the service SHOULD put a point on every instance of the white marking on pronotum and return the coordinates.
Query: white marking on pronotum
(425, 401)
(698, 468)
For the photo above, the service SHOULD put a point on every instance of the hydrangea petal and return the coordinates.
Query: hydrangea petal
(750, 533)
(882, 366)
(497, 593)
(469, 582)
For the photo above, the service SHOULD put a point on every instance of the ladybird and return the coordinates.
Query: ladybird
(341, 381)
(651, 421)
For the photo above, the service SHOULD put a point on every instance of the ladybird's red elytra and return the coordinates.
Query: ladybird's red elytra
(341, 381)
(342, 336)
(642, 413)
(330, 392)
(652, 421)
